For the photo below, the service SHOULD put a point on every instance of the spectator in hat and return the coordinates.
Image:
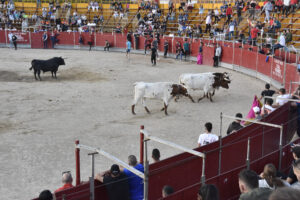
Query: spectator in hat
(256, 111)
(236, 125)
(155, 155)
(116, 183)
(66, 180)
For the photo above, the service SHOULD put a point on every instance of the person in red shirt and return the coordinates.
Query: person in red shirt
(254, 32)
(91, 40)
(67, 181)
(278, 6)
(228, 14)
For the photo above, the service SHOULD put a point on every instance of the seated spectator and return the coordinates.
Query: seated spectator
(269, 179)
(267, 108)
(136, 185)
(256, 111)
(281, 98)
(267, 92)
(292, 178)
(280, 43)
(66, 180)
(208, 192)
(236, 125)
(116, 183)
(207, 137)
(248, 184)
(167, 190)
(285, 193)
(155, 155)
(296, 169)
(45, 195)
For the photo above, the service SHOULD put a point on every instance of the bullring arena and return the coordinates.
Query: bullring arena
(90, 101)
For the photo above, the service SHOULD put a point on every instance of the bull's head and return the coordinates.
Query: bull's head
(61, 61)
(221, 80)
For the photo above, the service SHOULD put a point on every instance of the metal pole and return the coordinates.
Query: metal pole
(220, 139)
(284, 71)
(280, 148)
(5, 37)
(146, 164)
(233, 53)
(256, 62)
(248, 154)
(203, 169)
(30, 38)
(142, 145)
(290, 88)
(93, 162)
(92, 188)
(263, 142)
(77, 159)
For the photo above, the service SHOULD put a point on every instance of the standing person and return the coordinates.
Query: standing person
(45, 40)
(136, 185)
(208, 24)
(286, 7)
(128, 48)
(166, 48)
(267, 92)
(107, 45)
(14, 40)
(268, 7)
(207, 137)
(91, 40)
(116, 183)
(81, 42)
(53, 39)
(178, 50)
(153, 55)
(147, 44)
(228, 14)
(254, 32)
(231, 30)
(155, 45)
(217, 56)
(186, 48)
(200, 54)
(10, 40)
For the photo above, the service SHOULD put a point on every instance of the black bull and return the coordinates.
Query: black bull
(46, 66)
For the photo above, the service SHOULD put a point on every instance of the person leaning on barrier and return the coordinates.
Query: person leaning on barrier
(167, 190)
(285, 193)
(282, 96)
(66, 180)
(208, 192)
(155, 155)
(248, 184)
(45, 195)
(136, 184)
(116, 183)
(236, 125)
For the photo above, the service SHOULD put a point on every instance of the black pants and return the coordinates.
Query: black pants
(153, 59)
(186, 53)
(15, 44)
(147, 45)
(228, 19)
(285, 10)
(216, 61)
(45, 44)
(90, 43)
(207, 28)
(165, 52)
(106, 48)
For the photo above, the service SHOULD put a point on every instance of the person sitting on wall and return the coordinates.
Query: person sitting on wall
(207, 137)
(116, 183)
(248, 184)
(236, 125)
(167, 190)
(155, 155)
(66, 180)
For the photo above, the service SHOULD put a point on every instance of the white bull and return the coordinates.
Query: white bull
(207, 82)
(160, 90)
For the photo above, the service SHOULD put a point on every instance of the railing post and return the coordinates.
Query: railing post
(248, 154)
(146, 165)
(284, 70)
(91, 179)
(233, 53)
(280, 147)
(142, 145)
(203, 169)
(220, 140)
(77, 158)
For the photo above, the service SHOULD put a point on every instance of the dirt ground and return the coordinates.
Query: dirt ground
(91, 101)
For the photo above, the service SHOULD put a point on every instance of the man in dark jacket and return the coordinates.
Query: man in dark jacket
(236, 125)
(166, 48)
(14, 40)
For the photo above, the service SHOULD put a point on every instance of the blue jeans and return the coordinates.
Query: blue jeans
(178, 55)
(230, 34)
(276, 46)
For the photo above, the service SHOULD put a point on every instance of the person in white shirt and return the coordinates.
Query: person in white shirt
(281, 98)
(286, 7)
(267, 108)
(208, 23)
(217, 56)
(279, 44)
(207, 137)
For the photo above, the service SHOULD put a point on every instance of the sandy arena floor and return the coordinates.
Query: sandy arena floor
(91, 101)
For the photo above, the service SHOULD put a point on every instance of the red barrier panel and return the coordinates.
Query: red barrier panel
(277, 70)
(208, 54)
(249, 59)
(263, 66)
(227, 54)
(101, 37)
(2, 37)
(36, 40)
(121, 40)
(23, 38)
(66, 38)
